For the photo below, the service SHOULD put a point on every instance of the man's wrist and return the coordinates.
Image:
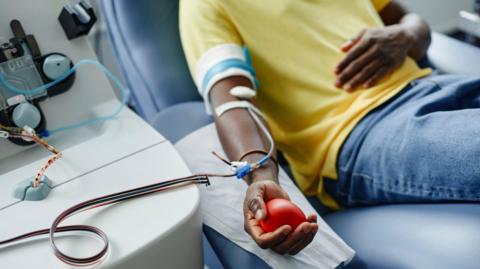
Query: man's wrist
(269, 171)
(409, 35)
(262, 173)
(403, 32)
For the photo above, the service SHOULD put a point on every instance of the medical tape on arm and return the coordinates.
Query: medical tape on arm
(221, 109)
(221, 62)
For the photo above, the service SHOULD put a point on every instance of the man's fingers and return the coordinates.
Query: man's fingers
(255, 202)
(351, 42)
(294, 238)
(274, 238)
(307, 239)
(348, 45)
(268, 240)
(282, 240)
(312, 218)
(364, 75)
(355, 67)
(257, 206)
(259, 193)
(354, 53)
(379, 75)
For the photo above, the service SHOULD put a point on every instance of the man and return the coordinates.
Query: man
(358, 121)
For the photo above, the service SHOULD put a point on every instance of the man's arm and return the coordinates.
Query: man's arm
(239, 134)
(375, 53)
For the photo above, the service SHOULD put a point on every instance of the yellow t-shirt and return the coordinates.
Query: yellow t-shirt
(294, 46)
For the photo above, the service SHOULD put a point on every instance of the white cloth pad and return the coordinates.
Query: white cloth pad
(222, 202)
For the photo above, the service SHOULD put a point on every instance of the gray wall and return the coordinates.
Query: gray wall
(441, 14)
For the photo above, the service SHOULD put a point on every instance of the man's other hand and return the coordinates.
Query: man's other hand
(283, 240)
(372, 55)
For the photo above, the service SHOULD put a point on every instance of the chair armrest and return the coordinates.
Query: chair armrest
(449, 55)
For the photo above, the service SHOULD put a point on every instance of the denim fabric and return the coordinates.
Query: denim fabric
(421, 146)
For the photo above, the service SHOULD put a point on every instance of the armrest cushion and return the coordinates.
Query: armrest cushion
(417, 236)
(449, 55)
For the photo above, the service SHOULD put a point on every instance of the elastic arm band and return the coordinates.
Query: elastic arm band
(225, 66)
(220, 62)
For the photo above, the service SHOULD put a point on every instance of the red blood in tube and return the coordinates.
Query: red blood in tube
(282, 212)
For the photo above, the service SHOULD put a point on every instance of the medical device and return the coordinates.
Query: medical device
(241, 169)
(27, 77)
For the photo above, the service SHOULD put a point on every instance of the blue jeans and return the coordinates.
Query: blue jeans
(421, 146)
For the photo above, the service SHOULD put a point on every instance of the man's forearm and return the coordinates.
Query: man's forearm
(239, 133)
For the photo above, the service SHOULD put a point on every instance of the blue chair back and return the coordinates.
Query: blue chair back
(145, 37)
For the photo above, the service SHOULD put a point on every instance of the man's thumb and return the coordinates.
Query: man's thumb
(257, 207)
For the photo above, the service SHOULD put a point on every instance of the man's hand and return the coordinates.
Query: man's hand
(372, 55)
(283, 240)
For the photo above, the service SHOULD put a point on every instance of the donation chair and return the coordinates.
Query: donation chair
(144, 36)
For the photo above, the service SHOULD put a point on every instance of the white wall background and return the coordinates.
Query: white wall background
(442, 15)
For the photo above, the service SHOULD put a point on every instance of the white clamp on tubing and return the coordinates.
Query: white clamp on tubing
(221, 62)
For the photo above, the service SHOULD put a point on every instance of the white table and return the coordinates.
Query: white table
(158, 231)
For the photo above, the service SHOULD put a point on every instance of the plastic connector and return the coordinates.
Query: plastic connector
(235, 165)
(4, 134)
(45, 133)
(243, 171)
(28, 130)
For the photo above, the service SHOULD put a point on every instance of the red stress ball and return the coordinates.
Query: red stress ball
(282, 212)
